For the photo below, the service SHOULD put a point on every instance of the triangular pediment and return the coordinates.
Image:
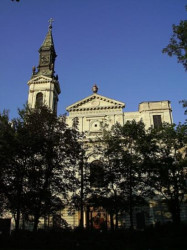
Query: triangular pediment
(40, 79)
(95, 102)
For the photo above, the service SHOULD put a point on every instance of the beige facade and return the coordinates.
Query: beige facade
(95, 110)
(48, 87)
(91, 112)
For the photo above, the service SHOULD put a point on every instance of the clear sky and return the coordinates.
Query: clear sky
(116, 44)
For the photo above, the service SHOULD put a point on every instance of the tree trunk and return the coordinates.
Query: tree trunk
(88, 217)
(131, 218)
(117, 221)
(174, 208)
(36, 221)
(17, 219)
(19, 203)
(81, 223)
(131, 201)
(23, 221)
(111, 221)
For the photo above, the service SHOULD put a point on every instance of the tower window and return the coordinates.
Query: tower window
(39, 100)
(96, 174)
(157, 121)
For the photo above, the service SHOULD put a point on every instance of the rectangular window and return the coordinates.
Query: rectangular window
(157, 121)
(96, 174)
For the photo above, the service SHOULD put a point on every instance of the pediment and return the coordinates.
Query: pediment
(95, 102)
(40, 79)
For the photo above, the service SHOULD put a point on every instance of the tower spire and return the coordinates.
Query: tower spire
(47, 55)
(44, 86)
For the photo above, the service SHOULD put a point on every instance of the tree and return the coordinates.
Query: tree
(178, 43)
(178, 47)
(52, 175)
(141, 163)
(42, 170)
(6, 153)
(123, 175)
(169, 174)
(184, 104)
(11, 172)
(114, 156)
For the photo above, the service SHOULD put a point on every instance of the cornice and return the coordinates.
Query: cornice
(95, 108)
(44, 80)
(77, 106)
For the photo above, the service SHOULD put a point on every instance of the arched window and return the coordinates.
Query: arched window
(96, 174)
(39, 100)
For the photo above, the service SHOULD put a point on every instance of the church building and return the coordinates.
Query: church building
(93, 110)
(44, 88)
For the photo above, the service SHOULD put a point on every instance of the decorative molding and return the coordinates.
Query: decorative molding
(96, 108)
(95, 104)
(42, 79)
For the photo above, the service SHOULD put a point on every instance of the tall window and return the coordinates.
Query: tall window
(55, 105)
(157, 121)
(75, 122)
(39, 100)
(96, 174)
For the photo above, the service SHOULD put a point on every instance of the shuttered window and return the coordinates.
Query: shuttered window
(157, 121)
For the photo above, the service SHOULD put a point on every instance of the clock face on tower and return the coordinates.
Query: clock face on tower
(44, 59)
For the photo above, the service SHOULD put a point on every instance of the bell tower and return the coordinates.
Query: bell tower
(44, 86)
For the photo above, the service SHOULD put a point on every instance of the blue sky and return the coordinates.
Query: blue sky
(116, 44)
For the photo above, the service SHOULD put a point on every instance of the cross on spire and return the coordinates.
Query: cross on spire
(51, 20)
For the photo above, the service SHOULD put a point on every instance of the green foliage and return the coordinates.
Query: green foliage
(6, 151)
(178, 43)
(39, 165)
(141, 164)
(40, 158)
(169, 175)
(184, 104)
(178, 47)
(124, 149)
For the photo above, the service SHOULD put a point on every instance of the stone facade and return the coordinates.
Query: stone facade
(48, 87)
(90, 112)
(44, 86)
(95, 110)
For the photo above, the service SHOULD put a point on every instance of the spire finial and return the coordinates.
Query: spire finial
(94, 88)
(51, 20)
